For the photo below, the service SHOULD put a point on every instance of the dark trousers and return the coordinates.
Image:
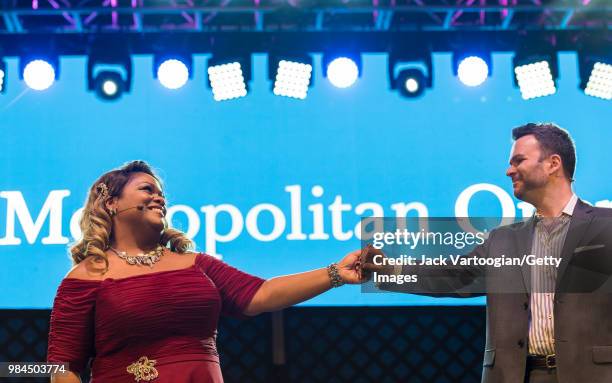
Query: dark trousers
(541, 375)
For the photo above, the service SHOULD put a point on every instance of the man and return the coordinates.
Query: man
(559, 327)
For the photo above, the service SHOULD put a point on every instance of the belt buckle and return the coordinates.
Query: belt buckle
(551, 361)
(143, 369)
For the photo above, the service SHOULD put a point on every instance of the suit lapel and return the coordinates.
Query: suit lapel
(581, 218)
(523, 243)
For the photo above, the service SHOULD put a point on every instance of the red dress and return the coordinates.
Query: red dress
(159, 327)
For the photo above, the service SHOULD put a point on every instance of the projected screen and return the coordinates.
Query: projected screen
(247, 179)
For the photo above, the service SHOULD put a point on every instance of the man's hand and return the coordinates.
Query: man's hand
(368, 266)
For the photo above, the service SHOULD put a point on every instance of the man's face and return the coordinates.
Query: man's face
(526, 169)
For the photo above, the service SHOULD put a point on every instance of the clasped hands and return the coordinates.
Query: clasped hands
(358, 266)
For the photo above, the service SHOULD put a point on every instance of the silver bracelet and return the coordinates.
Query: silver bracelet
(334, 275)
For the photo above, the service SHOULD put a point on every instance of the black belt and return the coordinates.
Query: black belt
(541, 361)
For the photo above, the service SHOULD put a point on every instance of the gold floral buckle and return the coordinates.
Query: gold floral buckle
(143, 369)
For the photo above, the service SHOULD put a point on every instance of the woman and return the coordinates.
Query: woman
(144, 306)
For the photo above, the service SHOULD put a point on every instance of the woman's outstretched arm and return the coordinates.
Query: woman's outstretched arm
(288, 290)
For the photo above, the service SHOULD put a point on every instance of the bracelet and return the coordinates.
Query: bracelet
(334, 275)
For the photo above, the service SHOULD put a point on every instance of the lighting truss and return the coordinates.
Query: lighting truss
(71, 16)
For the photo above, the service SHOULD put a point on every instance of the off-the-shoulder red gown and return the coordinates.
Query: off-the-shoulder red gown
(158, 327)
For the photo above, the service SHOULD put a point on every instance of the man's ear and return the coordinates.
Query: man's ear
(556, 165)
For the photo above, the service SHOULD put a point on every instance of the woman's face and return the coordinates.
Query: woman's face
(141, 202)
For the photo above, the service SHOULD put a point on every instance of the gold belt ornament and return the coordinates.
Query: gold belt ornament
(143, 369)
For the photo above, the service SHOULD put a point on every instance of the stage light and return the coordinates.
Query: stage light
(38, 74)
(472, 70)
(342, 70)
(227, 81)
(411, 82)
(109, 85)
(228, 78)
(536, 74)
(2, 76)
(173, 72)
(410, 70)
(600, 81)
(595, 75)
(292, 79)
(291, 75)
(535, 79)
(109, 73)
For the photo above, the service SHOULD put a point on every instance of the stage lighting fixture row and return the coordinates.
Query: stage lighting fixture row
(229, 77)
(342, 69)
(2, 76)
(595, 75)
(410, 71)
(290, 75)
(173, 71)
(39, 73)
(472, 69)
(109, 73)
(536, 74)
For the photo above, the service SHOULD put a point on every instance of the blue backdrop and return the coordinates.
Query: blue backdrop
(364, 146)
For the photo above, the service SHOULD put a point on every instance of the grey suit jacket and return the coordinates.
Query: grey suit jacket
(582, 304)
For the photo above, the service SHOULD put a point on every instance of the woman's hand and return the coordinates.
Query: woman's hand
(349, 267)
(357, 266)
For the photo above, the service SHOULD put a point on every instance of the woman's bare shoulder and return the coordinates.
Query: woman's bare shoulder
(183, 259)
(91, 268)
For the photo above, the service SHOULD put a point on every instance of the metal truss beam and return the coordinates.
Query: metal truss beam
(63, 18)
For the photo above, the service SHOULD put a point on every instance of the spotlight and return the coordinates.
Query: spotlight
(472, 69)
(342, 71)
(596, 75)
(109, 85)
(228, 78)
(535, 74)
(291, 75)
(39, 73)
(2, 76)
(410, 71)
(600, 81)
(109, 73)
(173, 72)
(411, 82)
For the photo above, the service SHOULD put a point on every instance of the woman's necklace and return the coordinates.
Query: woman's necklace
(147, 259)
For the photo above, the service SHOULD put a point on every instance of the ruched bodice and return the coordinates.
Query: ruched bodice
(168, 317)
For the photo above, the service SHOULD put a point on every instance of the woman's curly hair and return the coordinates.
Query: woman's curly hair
(96, 221)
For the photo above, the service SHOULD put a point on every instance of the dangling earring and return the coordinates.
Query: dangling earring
(113, 212)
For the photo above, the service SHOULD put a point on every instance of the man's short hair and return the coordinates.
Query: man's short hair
(553, 140)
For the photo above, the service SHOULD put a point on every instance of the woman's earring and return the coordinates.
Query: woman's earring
(113, 212)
